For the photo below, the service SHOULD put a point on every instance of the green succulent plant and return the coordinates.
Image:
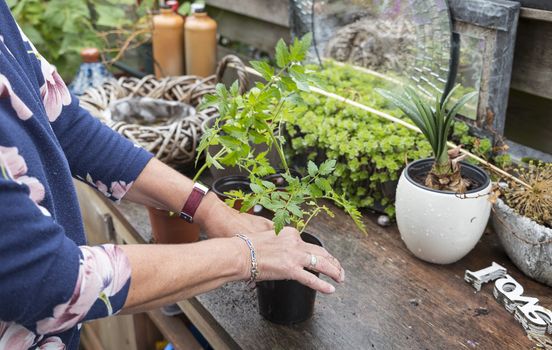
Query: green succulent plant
(435, 120)
(370, 151)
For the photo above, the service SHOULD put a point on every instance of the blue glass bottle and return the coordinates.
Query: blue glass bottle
(92, 73)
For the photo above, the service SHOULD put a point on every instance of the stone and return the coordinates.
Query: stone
(528, 244)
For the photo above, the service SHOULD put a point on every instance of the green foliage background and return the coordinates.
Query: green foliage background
(370, 151)
(61, 28)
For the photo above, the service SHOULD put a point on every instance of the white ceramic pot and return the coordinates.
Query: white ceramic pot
(437, 226)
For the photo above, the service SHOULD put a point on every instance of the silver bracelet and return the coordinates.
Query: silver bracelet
(254, 269)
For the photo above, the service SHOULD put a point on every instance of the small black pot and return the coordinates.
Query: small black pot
(231, 183)
(287, 302)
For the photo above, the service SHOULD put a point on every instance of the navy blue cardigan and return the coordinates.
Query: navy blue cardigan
(50, 281)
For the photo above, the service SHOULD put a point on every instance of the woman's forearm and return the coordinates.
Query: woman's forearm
(162, 187)
(163, 274)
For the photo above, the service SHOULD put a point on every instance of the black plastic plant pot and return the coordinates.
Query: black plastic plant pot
(287, 302)
(231, 183)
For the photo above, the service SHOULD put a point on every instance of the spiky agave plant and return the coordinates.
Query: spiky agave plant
(435, 122)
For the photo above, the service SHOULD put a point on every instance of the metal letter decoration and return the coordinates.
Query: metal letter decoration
(534, 318)
(491, 273)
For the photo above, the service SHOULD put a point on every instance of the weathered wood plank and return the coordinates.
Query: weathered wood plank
(539, 15)
(89, 339)
(390, 300)
(174, 331)
(272, 11)
(532, 70)
(116, 332)
(536, 4)
(217, 337)
(255, 32)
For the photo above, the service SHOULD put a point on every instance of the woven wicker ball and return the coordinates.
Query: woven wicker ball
(173, 143)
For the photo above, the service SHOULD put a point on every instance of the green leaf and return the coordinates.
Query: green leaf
(298, 50)
(268, 185)
(327, 167)
(212, 162)
(256, 188)
(282, 54)
(111, 16)
(263, 68)
(315, 191)
(281, 218)
(231, 142)
(295, 210)
(185, 9)
(296, 73)
(312, 168)
(324, 184)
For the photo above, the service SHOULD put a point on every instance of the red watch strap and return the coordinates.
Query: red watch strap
(192, 203)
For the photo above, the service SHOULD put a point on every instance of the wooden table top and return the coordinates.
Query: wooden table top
(390, 299)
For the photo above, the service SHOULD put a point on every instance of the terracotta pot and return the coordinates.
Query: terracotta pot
(171, 229)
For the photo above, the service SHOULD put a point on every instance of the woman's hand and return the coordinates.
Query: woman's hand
(285, 256)
(164, 274)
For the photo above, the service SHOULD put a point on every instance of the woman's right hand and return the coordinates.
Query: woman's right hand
(285, 256)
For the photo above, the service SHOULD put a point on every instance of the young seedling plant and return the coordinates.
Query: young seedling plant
(256, 118)
(435, 121)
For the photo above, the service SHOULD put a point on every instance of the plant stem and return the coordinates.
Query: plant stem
(312, 215)
(280, 151)
(442, 163)
(204, 166)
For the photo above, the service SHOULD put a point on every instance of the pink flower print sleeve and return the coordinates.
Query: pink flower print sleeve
(18, 106)
(54, 93)
(50, 280)
(13, 166)
(103, 272)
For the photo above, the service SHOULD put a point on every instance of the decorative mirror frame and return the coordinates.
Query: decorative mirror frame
(495, 22)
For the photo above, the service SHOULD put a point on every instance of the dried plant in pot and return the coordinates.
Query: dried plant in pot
(254, 119)
(522, 218)
(442, 203)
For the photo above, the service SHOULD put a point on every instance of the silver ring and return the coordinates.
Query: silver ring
(313, 261)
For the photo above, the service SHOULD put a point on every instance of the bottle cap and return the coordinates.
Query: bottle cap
(90, 54)
(172, 4)
(198, 7)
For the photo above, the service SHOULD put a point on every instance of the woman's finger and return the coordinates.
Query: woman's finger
(323, 265)
(315, 249)
(310, 280)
